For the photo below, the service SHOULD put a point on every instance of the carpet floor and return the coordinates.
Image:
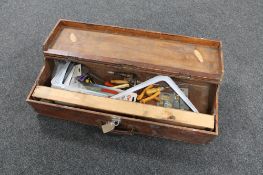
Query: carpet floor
(34, 144)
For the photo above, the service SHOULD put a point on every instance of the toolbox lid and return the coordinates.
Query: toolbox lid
(186, 56)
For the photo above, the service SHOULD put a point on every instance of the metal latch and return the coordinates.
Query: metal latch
(110, 125)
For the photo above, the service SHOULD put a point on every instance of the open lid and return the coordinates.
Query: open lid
(171, 54)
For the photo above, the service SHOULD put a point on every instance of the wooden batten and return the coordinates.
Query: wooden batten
(178, 117)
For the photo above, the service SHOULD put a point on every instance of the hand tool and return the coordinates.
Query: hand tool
(157, 99)
(82, 78)
(139, 97)
(119, 81)
(121, 86)
(89, 80)
(153, 90)
(108, 84)
(92, 75)
(123, 74)
(69, 68)
(145, 100)
(156, 79)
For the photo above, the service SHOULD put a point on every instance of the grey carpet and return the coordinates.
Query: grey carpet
(32, 144)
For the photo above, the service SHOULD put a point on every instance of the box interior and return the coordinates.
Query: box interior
(201, 94)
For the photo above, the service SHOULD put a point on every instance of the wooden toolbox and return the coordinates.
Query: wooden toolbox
(195, 62)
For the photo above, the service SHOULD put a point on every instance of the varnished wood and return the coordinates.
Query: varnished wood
(52, 35)
(222, 61)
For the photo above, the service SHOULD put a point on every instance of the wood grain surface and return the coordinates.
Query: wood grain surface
(169, 53)
(179, 117)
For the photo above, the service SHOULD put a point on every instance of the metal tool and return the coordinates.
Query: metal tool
(69, 69)
(156, 79)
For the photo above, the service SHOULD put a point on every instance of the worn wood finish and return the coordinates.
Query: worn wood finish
(137, 48)
(198, 77)
(168, 115)
(165, 53)
(138, 32)
(203, 84)
(45, 77)
(128, 125)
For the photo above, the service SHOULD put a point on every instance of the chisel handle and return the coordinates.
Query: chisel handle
(119, 81)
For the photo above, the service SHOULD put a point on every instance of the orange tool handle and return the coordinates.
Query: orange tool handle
(157, 99)
(145, 100)
(108, 84)
(153, 90)
(109, 91)
(139, 97)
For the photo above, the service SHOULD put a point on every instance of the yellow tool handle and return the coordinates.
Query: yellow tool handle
(145, 100)
(139, 97)
(119, 81)
(157, 99)
(121, 86)
(153, 90)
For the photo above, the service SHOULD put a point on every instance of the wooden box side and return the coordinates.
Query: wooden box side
(128, 125)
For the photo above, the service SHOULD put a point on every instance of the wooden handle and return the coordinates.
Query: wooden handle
(153, 90)
(145, 100)
(121, 86)
(157, 99)
(139, 97)
(119, 81)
